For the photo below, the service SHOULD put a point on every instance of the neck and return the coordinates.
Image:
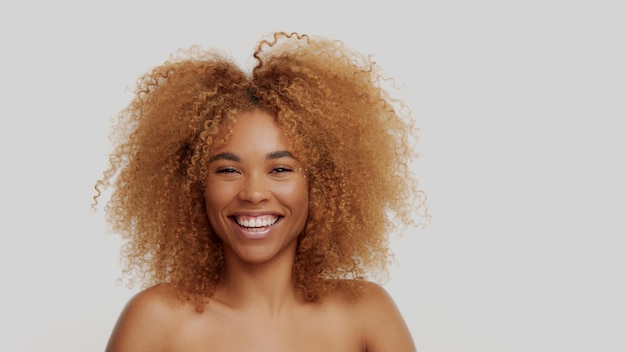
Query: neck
(264, 287)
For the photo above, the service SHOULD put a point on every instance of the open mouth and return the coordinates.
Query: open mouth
(256, 222)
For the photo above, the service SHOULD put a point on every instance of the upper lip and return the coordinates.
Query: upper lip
(254, 213)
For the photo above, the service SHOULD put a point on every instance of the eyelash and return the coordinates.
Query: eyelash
(231, 170)
(226, 170)
(282, 169)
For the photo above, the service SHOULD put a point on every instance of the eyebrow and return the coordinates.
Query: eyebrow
(269, 156)
(278, 154)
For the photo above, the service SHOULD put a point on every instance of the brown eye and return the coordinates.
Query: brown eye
(279, 170)
(226, 170)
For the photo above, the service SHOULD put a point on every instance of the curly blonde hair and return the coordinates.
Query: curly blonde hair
(355, 141)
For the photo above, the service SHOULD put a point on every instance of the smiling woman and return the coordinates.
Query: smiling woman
(255, 194)
(257, 207)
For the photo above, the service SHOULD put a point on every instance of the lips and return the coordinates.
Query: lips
(255, 222)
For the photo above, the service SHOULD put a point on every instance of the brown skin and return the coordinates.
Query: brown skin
(254, 306)
(303, 285)
(256, 175)
(155, 321)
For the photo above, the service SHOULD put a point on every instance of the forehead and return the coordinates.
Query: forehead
(253, 131)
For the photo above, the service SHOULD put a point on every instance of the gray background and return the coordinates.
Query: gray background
(520, 104)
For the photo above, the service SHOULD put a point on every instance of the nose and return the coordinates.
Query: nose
(254, 189)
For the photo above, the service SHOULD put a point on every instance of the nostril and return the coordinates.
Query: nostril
(254, 190)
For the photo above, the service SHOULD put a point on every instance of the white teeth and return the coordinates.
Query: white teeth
(257, 222)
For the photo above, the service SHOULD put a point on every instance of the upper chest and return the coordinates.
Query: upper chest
(319, 328)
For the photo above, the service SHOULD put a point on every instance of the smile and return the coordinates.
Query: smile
(256, 222)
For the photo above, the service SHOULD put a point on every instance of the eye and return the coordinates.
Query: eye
(226, 170)
(282, 169)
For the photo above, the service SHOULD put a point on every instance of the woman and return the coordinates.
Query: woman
(255, 207)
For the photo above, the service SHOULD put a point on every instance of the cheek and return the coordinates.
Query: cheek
(215, 198)
(297, 195)
(214, 203)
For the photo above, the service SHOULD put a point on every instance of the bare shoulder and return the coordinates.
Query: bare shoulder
(381, 324)
(145, 321)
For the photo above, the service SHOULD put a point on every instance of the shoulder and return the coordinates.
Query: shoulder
(361, 294)
(380, 323)
(146, 321)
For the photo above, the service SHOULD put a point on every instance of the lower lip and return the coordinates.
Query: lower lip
(255, 234)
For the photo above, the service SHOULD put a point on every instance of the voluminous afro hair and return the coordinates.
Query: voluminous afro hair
(354, 140)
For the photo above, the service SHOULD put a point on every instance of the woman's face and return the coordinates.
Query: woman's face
(256, 194)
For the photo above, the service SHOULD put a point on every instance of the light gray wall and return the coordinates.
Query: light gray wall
(520, 104)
